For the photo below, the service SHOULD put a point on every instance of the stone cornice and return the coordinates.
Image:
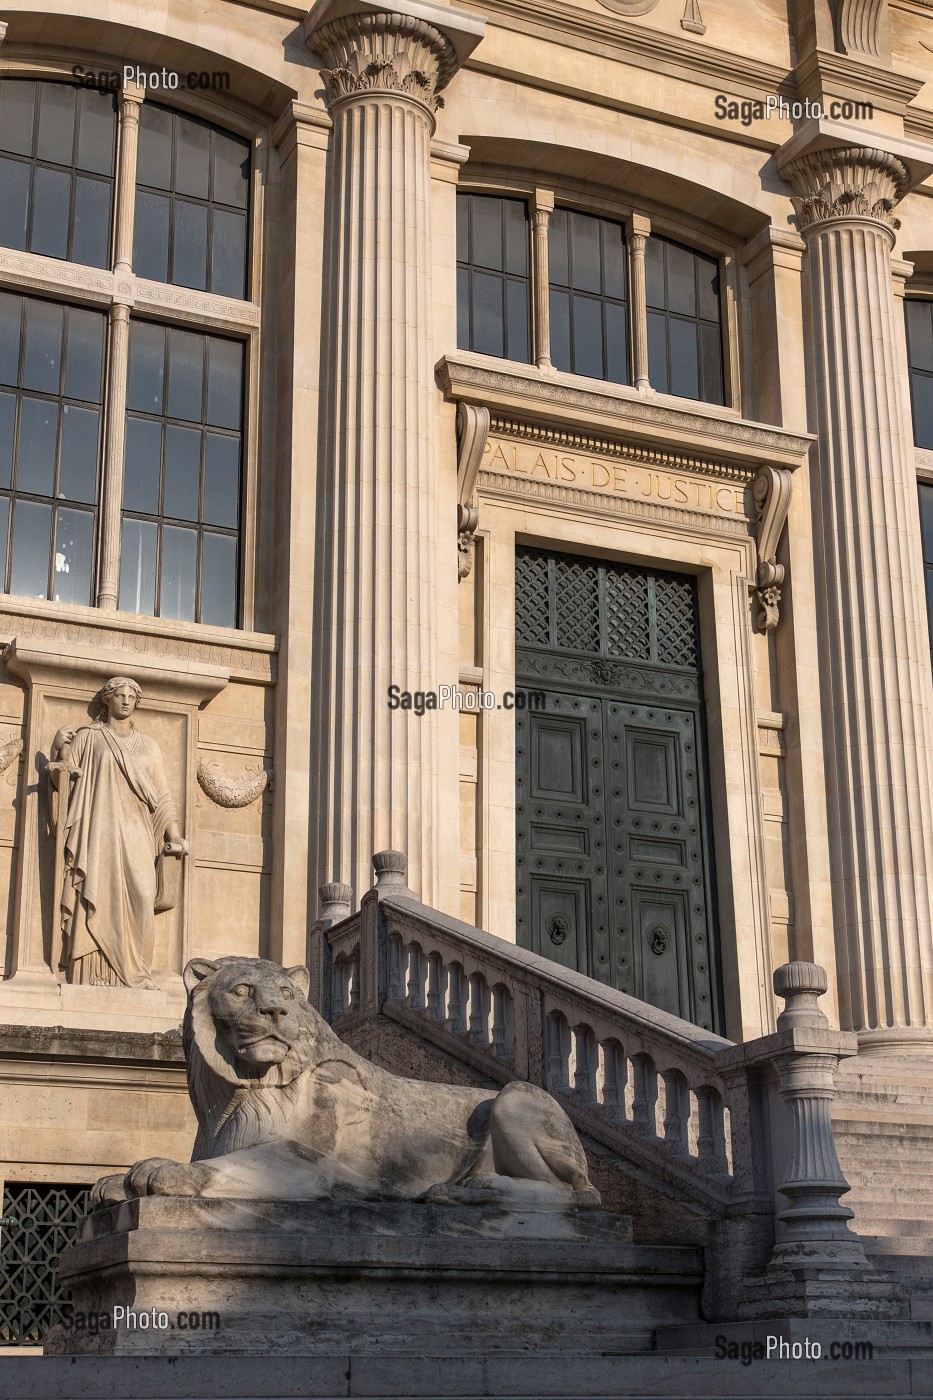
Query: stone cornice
(839, 75)
(577, 405)
(847, 182)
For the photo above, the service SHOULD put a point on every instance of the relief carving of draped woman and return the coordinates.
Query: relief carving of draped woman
(115, 824)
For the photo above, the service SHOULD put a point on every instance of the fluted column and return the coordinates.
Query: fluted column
(375, 769)
(111, 507)
(877, 695)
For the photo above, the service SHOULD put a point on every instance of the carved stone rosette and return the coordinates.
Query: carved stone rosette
(847, 182)
(385, 52)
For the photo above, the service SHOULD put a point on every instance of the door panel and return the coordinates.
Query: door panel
(614, 868)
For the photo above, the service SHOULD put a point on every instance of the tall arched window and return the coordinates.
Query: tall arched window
(120, 443)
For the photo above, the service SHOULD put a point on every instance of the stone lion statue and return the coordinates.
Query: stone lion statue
(287, 1111)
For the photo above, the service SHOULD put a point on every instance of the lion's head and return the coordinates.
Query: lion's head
(250, 1035)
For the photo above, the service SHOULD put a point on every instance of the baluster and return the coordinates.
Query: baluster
(676, 1109)
(584, 1078)
(437, 978)
(417, 975)
(456, 1000)
(646, 1096)
(558, 1053)
(479, 1010)
(396, 969)
(503, 1033)
(338, 992)
(711, 1141)
(354, 984)
(615, 1074)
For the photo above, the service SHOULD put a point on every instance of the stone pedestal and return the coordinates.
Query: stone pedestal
(368, 1279)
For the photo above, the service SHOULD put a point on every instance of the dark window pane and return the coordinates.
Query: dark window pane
(38, 437)
(138, 567)
(185, 375)
(558, 256)
(4, 534)
(150, 236)
(143, 471)
(7, 428)
(224, 383)
(231, 170)
(926, 519)
(657, 352)
(228, 254)
(78, 463)
(218, 580)
(189, 246)
(614, 260)
(154, 158)
(463, 227)
(684, 371)
(584, 252)
(182, 489)
(516, 236)
(710, 363)
(487, 232)
(463, 308)
(71, 566)
(681, 287)
(516, 296)
(17, 115)
(921, 387)
(560, 330)
(50, 211)
(56, 123)
(32, 535)
(617, 370)
(708, 283)
(91, 241)
(11, 313)
(920, 333)
(487, 314)
(43, 362)
(192, 158)
(147, 368)
(587, 337)
(96, 132)
(14, 202)
(654, 272)
(84, 355)
(221, 480)
(179, 572)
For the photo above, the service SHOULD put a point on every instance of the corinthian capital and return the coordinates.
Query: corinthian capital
(844, 182)
(412, 49)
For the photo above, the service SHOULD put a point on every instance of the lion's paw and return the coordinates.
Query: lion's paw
(142, 1179)
(107, 1191)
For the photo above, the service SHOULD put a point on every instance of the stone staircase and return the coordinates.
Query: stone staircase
(883, 1126)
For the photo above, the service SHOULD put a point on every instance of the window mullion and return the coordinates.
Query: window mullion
(541, 289)
(638, 233)
(111, 494)
(131, 98)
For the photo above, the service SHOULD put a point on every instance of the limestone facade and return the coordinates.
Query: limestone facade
(390, 477)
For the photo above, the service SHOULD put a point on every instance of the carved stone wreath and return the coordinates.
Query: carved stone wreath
(228, 792)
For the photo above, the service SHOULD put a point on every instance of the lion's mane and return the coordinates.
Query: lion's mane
(240, 1106)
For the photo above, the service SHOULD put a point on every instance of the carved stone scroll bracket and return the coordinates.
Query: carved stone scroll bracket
(472, 433)
(861, 27)
(771, 492)
(230, 792)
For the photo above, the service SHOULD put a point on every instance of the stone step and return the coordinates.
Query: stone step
(896, 1376)
(910, 1212)
(913, 1254)
(871, 1223)
(911, 1127)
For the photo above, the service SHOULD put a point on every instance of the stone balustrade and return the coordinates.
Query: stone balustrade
(710, 1123)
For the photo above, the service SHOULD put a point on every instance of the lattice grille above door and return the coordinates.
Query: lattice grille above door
(39, 1222)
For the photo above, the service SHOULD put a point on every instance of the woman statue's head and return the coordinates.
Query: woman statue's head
(120, 696)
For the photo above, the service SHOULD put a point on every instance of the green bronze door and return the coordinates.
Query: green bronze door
(614, 866)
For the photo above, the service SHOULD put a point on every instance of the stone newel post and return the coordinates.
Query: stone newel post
(877, 700)
(374, 769)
